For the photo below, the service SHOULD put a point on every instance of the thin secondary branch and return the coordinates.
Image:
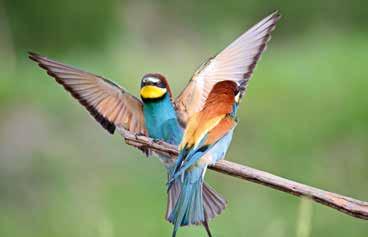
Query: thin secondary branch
(347, 205)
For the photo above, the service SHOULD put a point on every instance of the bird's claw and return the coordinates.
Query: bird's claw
(155, 140)
(139, 134)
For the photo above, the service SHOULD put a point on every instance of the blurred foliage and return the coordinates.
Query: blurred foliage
(62, 25)
(304, 117)
(58, 25)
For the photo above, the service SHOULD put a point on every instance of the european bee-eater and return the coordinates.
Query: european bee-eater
(206, 139)
(157, 114)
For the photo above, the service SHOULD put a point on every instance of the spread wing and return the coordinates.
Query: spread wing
(235, 62)
(109, 104)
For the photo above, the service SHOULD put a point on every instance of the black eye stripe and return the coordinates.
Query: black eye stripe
(146, 82)
(162, 84)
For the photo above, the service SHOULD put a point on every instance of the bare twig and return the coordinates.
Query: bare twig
(347, 205)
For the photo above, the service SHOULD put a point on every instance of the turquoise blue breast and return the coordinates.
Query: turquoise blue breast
(161, 120)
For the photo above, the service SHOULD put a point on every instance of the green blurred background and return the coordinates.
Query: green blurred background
(304, 118)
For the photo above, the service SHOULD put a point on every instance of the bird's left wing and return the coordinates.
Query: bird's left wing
(108, 103)
(236, 62)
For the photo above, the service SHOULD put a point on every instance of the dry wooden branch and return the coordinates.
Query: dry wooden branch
(347, 205)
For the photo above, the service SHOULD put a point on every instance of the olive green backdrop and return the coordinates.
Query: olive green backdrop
(304, 117)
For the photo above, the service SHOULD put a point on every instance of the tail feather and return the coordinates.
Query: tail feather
(192, 202)
(213, 202)
(189, 206)
(172, 198)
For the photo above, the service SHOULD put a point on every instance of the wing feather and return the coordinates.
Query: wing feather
(236, 62)
(220, 130)
(108, 103)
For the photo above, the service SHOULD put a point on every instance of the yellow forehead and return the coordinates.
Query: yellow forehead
(152, 92)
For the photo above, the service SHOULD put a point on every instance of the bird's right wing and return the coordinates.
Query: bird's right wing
(108, 103)
(236, 63)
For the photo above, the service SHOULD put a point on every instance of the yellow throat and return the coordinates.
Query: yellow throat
(152, 92)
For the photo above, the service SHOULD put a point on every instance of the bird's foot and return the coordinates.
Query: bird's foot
(139, 134)
(155, 140)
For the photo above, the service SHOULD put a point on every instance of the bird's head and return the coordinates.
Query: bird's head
(154, 86)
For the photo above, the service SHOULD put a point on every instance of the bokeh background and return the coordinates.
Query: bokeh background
(305, 115)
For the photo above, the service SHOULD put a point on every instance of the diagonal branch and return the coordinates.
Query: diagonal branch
(347, 205)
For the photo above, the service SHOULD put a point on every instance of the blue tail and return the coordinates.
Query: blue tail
(189, 208)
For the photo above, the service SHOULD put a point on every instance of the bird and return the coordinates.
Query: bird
(206, 139)
(157, 113)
